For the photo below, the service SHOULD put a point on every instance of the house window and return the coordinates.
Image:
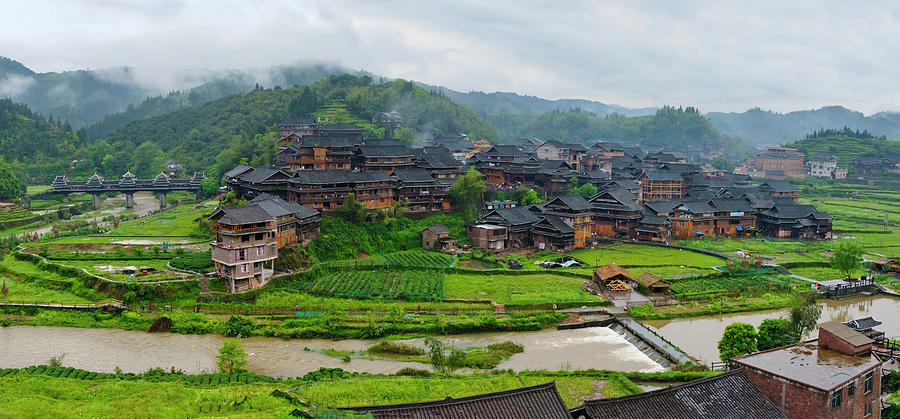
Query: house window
(259, 236)
(245, 267)
(681, 223)
(851, 388)
(868, 409)
(869, 382)
(260, 250)
(836, 398)
(245, 238)
(241, 254)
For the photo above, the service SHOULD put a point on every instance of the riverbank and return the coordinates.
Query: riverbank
(61, 391)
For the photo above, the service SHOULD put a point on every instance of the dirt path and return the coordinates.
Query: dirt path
(598, 391)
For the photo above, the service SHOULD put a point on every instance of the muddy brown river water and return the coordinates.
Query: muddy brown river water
(105, 349)
(698, 336)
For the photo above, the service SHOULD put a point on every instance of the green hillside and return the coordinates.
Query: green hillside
(34, 146)
(846, 145)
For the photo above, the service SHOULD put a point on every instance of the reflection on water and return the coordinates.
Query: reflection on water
(698, 336)
(105, 349)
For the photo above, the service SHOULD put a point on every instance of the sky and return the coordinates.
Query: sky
(718, 55)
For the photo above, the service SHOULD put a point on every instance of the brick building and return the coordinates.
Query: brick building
(787, 160)
(834, 377)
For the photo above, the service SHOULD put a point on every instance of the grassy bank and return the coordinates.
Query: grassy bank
(717, 305)
(60, 391)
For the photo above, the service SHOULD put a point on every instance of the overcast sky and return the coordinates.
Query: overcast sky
(720, 56)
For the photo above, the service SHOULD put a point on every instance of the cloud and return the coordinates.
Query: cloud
(15, 85)
(716, 55)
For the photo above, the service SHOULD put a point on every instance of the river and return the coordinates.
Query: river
(698, 336)
(103, 350)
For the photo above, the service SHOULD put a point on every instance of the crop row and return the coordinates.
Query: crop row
(419, 284)
(419, 259)
(708, 285)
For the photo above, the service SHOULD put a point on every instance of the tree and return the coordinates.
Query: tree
(573, 186)
(774, 333)
(738, 339)
(352, 210)
(436, 354)
(587, 191)
(847, 257)
(722, 164)
(305, 104)
(145, 158)
(10, 185)
(230, 200)
(804, 315)
(232, 358)
(529, 196)
(208, 187)
(467, 191)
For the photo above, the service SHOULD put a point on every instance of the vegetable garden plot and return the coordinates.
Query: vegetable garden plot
(415, 284)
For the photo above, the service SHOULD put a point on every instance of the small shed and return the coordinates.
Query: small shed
(653, 283)
(608, 273)
(432, 235)
(886, 265)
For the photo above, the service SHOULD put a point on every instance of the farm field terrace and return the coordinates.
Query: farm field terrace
(537, 288)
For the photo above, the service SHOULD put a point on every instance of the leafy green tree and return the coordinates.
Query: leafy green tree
(774, 333)
(738, 339)
(587, 191)
(847, 257)
(208, 187)
(352, 210)
(436, 355)
(722, 164)
(304, 104)
(804, 315)
(232, 358)
(573, 186)
(10, 185)
(145, 158)
(468, 192)
(231, 200)
(529, 196)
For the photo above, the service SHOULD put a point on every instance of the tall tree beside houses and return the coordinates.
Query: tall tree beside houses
(468, 193)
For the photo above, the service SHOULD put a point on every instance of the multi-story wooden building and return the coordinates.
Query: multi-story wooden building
(440, 164)
(248, 182)
(246, 246)
(552, 233)
(296, 224)
(660, 185)
(327, 189)
(383, 158)
(779, 189)
(320, 152)
(420, 192)
(555, 150)
(575, 212)
(298, 126)
(786, 220)
(518, 222)
(716, 217)
(614, 213)
(787, 160)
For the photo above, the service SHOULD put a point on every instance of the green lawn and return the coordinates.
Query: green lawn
(539, 288)
(23, 291)
(96, 267)
(45, 285)
(179, 221)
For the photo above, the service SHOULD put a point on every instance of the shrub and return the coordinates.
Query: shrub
(386, 347)
(239, 327)
(414, 372)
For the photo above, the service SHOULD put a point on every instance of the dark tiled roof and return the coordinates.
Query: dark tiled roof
(863, 323)
(575, 202)
(330, 140)
(776, 186)
(338, 176)
(541, 401)
(384, 150)
(243, 214)
(505, 150)
(650, 219)
(663, 207)
(440, 161)
(732, 204)
(237, 171)
(794, 211)
(572, 146)
(628, 184)
(620, 195)
(729, 395)
(695, 207)
(277, 207)
(413, 175)
(438, 229)
(663, 175)
(681, 167)
(554, 223)
(261, 174)
(515, 216)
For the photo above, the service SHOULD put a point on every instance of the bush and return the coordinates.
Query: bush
(408, 372)
(385, 347)
(239, 327)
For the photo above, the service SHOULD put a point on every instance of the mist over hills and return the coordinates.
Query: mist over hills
(102, 101)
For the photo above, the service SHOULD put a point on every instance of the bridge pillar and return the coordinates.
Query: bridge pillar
(95, 200)
(197, 195)
(129, 200)
(162, 200)
(65, 197)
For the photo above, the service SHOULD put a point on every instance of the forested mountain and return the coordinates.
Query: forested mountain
(223, 85)
(667, 127)
(34, 146)
(504, 103)
(847, 144)
(757, 126)
(217, 135)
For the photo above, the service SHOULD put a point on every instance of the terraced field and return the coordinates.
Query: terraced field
(410, 284)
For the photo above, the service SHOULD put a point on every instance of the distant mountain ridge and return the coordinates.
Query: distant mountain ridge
(507, 103)
(759, 127)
